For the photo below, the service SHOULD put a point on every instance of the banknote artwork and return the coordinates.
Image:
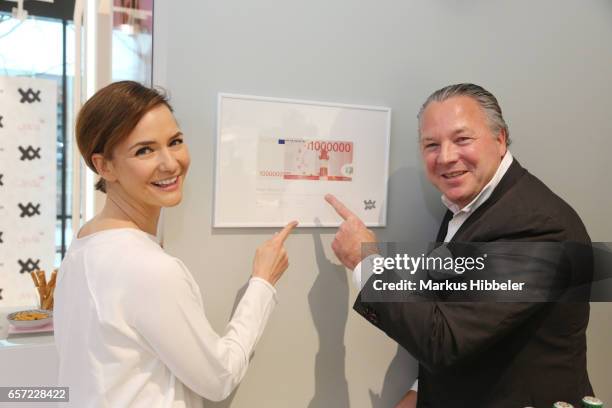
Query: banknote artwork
(277, 158)
(330, 160)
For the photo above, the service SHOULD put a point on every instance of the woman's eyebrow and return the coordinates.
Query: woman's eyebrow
(150, 142)
(143, 143)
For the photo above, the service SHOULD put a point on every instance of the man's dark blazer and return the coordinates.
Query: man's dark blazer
(482, 355)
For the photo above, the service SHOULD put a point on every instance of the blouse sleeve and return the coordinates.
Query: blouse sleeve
(166, 310)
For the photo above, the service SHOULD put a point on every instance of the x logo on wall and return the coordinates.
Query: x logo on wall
(369, 204)
(30, 153)
(29, 96)
(29, 210)
(29, 265)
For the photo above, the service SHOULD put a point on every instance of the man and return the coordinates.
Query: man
(481, 354)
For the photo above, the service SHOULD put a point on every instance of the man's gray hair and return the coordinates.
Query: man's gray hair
(485, 99)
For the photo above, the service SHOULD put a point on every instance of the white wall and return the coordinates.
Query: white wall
(548, 62)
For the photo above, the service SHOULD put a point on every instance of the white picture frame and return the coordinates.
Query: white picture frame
(272, 165)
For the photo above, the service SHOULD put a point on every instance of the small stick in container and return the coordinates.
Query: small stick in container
(51, 284)
(48, 303)
(34, 278)
(42, 279)
(39, 288)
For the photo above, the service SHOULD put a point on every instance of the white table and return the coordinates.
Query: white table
(27, 360)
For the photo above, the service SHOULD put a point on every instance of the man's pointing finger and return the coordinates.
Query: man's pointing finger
(340, 208)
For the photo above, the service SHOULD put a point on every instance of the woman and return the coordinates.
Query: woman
(129, 322)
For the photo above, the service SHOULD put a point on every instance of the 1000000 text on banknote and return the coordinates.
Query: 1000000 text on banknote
(330, 160)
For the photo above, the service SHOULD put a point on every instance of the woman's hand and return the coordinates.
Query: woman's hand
(271, 257)
(409, 400)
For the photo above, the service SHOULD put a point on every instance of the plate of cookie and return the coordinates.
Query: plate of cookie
(30, 318)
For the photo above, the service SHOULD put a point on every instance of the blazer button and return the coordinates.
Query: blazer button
(372, 318)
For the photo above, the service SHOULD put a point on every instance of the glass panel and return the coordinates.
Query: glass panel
(132, 40)
(32, 50)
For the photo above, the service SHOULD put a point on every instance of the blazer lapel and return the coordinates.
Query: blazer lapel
(444, 226)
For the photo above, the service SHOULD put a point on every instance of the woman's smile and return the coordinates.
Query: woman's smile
(168, 184)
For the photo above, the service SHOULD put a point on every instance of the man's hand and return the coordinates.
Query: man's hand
(409, 400)
(351, 234)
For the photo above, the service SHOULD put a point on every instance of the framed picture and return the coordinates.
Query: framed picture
(277, 158)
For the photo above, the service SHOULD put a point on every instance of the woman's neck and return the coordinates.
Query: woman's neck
(121, 209)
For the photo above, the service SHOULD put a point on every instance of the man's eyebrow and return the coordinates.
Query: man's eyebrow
(428, 139)
(461, 130)
(150, 142)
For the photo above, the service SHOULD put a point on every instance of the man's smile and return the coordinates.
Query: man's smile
(453, 174)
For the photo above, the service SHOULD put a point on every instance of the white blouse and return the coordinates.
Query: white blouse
(130, 327)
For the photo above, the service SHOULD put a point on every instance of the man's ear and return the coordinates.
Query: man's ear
(502, 139)
(104, 167)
